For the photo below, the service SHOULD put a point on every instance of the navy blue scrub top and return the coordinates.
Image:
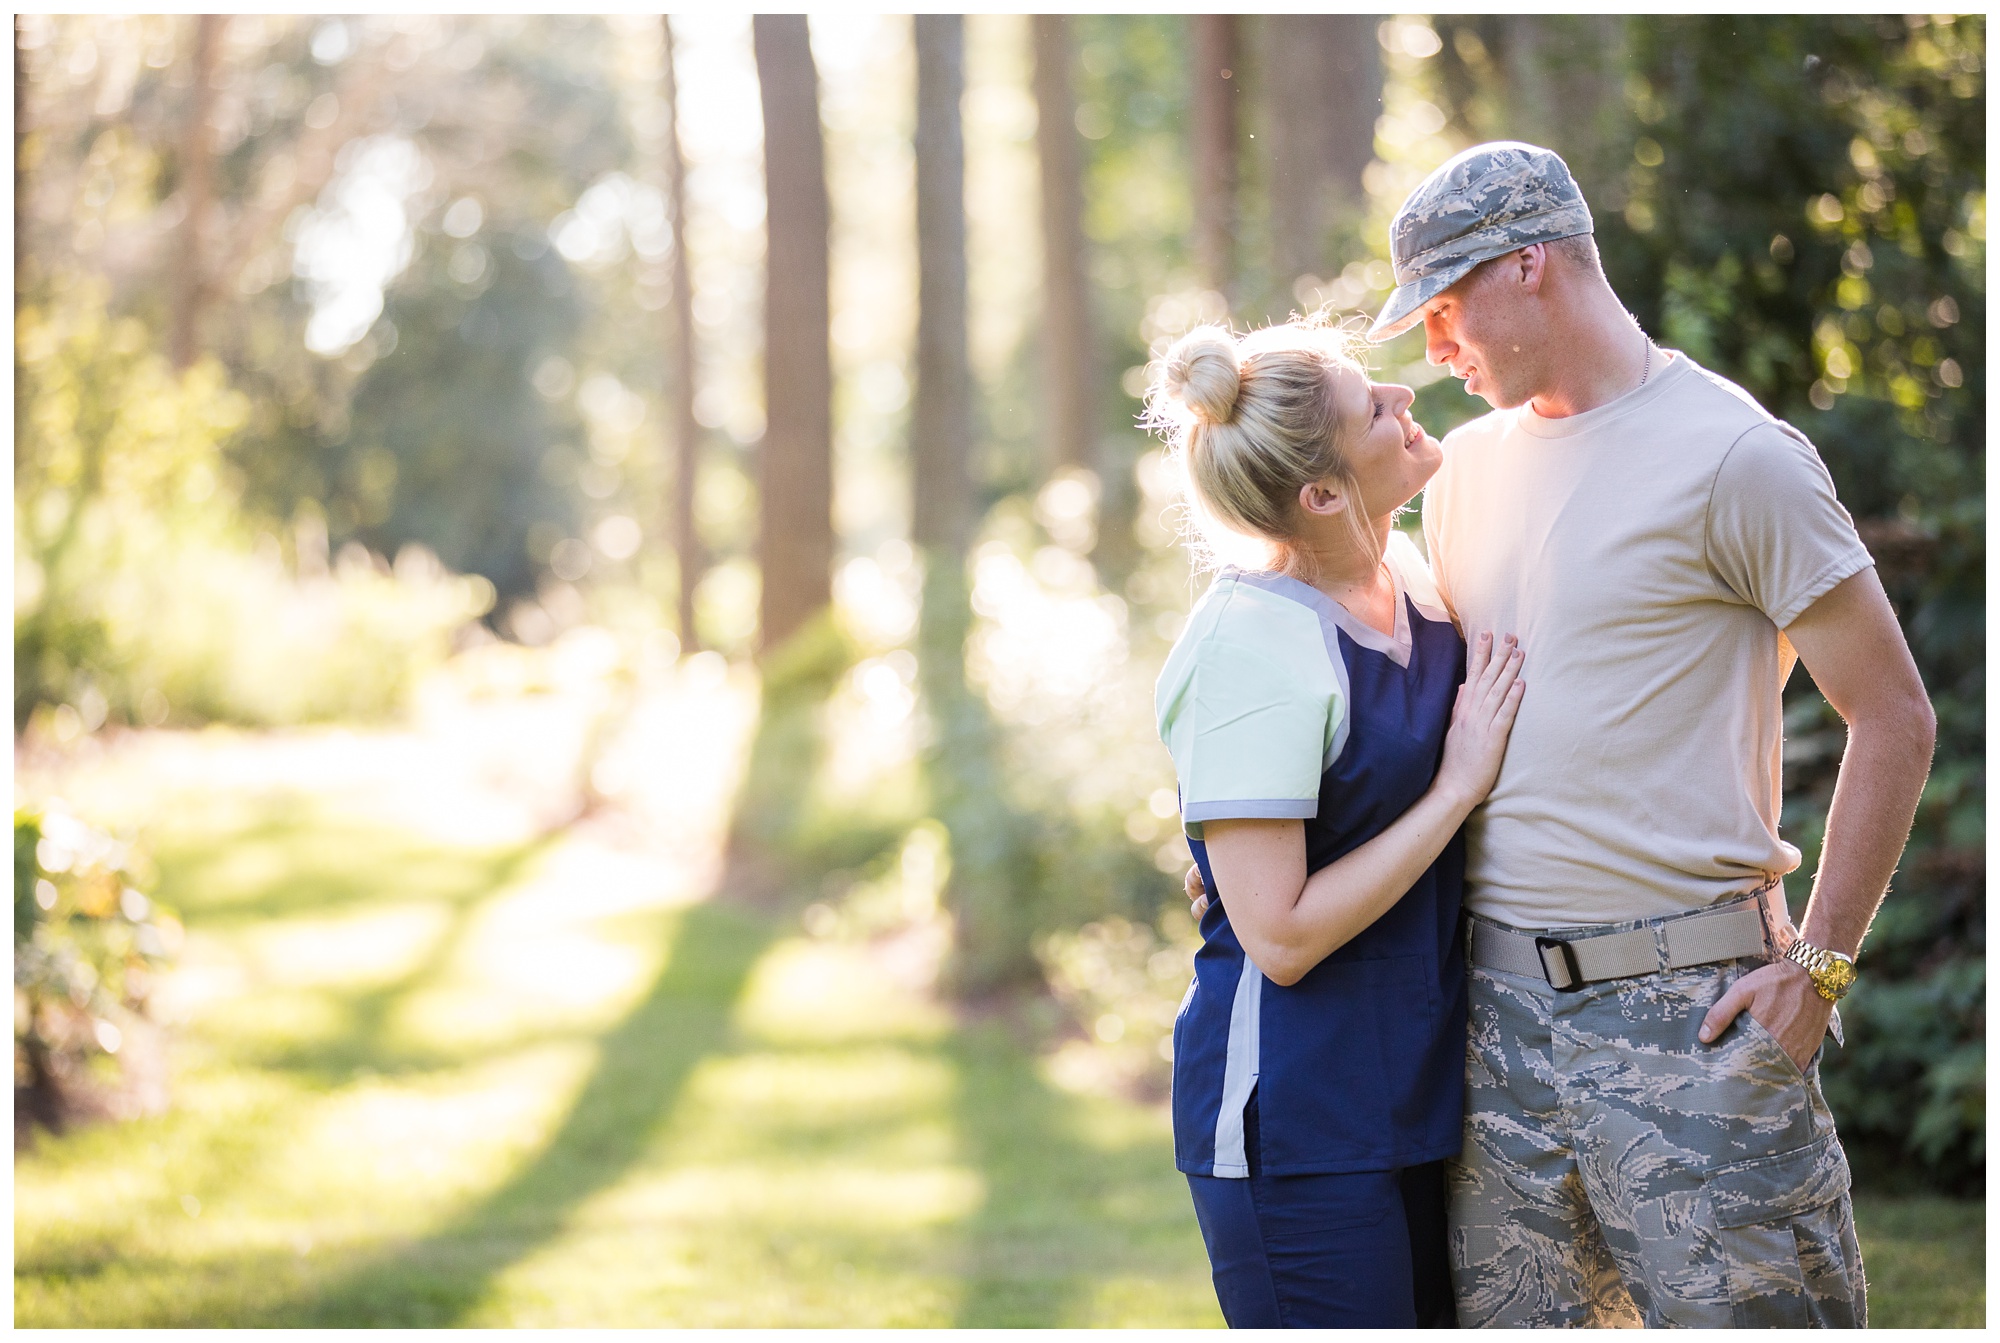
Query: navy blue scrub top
(1360, 1064)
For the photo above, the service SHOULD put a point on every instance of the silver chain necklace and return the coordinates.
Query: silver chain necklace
(1646, 369)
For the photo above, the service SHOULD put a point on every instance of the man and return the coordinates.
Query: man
(1645, 1135)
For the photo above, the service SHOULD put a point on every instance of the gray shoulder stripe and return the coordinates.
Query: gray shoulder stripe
(1253, 809)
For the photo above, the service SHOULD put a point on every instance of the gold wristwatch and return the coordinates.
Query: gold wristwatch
(1832, 974)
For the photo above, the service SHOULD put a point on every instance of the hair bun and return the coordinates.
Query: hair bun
(1201, 373)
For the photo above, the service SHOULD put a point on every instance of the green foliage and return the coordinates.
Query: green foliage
(88, 948)
(115, 458)
(447, 438)
(1124, 982)
(450, 444)
(1822, 243)
(427, 429)
(1068, 774)
(137, 595)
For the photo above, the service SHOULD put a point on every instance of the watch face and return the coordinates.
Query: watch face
(1839, 976)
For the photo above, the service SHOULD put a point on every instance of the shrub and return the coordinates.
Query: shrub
(139, 593)
(88, 949)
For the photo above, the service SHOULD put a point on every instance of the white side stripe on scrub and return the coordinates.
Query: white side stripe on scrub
(1239, 1073)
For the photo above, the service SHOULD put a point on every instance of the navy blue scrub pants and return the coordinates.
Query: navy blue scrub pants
(1361, 1250)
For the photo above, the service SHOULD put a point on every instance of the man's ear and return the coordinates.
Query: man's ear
(1322, 498)
(1531, 263)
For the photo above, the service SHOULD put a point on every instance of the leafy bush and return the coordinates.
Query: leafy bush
(1824, 245)
(1124, 982)
(139, 594)
(88, 949)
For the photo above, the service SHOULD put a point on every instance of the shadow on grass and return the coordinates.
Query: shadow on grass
(642, 1067)
(301, 866)
(323, 870)
(644, 1062)
(1067, 1210)
(292, 861)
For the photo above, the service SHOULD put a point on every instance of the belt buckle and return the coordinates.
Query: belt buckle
(1543, 946)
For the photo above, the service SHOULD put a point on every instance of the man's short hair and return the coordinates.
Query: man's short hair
(1580, 250)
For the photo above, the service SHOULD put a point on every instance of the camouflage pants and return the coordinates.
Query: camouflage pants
(1618, 1172)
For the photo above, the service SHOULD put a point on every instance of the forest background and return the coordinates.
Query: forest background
(444, 445)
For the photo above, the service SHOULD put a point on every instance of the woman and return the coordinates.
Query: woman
(1330, 735)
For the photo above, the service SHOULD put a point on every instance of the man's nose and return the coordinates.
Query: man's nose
(1438, 347)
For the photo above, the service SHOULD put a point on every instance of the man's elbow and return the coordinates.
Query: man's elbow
(1903, 721)
(1916, 719)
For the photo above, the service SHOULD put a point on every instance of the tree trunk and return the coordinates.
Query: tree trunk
(941, 421)
(684, 433)
(961, 763)
(1214, 54)
(1553, 80)
(795, 462)
(1323, 82)
(1069, 371)
(1562, 80)
(191, 264)
(20, 164)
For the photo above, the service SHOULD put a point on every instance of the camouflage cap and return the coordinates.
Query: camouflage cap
(1482, 203)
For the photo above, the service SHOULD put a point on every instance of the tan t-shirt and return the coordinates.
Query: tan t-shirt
(1647, 553)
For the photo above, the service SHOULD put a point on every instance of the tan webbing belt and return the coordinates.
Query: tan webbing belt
(1588, 958)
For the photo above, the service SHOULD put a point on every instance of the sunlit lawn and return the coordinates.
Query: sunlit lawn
(426, 1084)
(420, 1085)
(1926, 1260)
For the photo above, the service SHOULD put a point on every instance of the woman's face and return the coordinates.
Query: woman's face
(1389, 454)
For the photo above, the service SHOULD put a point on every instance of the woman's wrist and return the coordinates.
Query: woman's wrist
(1455, 798)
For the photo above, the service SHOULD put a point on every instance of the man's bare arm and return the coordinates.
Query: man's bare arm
(1854, 650)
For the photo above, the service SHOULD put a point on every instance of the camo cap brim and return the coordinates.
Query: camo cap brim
(1479, 204)
(1402, 310)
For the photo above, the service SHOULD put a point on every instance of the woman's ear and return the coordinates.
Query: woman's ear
(1323, 498)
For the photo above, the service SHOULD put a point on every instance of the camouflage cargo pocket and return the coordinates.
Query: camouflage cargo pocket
(1763, 1210)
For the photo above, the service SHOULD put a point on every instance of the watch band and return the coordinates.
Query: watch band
(1832, 974)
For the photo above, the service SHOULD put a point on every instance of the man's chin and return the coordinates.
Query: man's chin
(1496, 397)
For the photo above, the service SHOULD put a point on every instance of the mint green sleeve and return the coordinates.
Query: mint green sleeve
(1256, 717)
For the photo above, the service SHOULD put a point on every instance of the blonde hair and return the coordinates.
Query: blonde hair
(1250, 421)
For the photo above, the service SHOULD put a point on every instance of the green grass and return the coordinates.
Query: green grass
(418, 1085)
(1926, 1261)
(424, 1086)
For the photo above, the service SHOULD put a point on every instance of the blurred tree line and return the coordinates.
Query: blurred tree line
(524, 386)
(263, 209)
